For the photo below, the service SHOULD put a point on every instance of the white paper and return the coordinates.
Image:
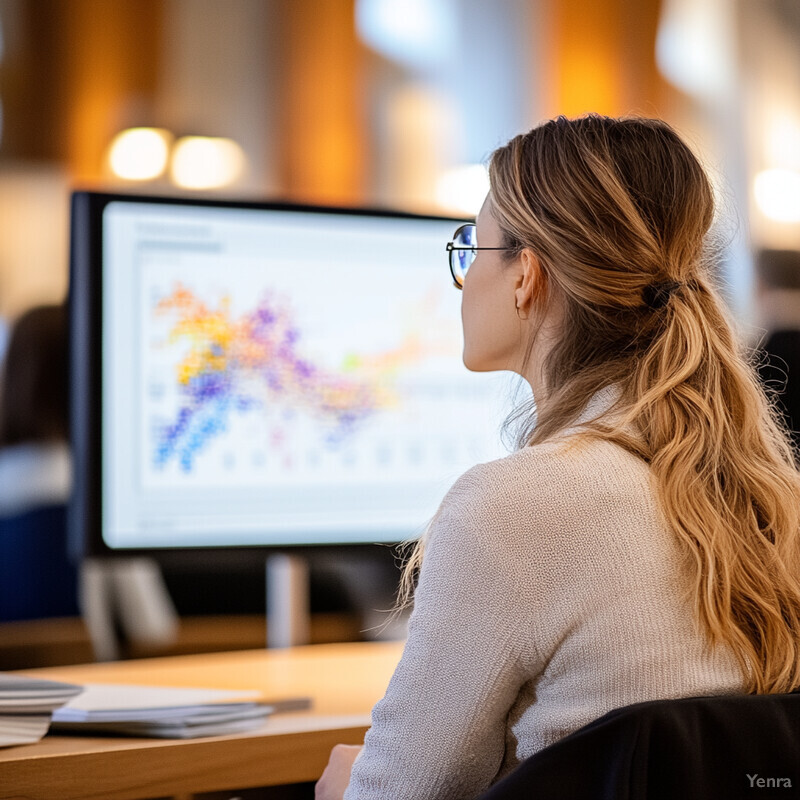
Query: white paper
(121, 703)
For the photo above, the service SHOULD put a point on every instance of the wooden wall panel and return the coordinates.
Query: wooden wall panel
(75, 66)
(115, 66)
(601, 57)
(322, 127)
(28, 88)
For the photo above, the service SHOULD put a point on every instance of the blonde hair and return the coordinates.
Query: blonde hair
(613, 209)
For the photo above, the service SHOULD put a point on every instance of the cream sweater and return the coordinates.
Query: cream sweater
(552, 591)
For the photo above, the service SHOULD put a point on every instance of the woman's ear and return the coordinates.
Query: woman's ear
(530, 283)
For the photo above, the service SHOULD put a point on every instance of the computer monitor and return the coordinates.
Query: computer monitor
(255, 375)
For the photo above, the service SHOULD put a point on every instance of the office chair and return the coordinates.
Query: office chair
(697, 748)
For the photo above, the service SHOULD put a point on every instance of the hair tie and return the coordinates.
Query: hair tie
(657, 295)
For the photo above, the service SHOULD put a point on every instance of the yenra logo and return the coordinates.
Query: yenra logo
(769, 783)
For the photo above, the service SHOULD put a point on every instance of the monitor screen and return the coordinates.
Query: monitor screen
(251, 375)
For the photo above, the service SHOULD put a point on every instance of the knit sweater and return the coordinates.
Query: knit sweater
(552, 591)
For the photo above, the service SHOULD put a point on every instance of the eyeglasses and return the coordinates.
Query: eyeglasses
(463, 250)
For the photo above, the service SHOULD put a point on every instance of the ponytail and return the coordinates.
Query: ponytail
(728, 485)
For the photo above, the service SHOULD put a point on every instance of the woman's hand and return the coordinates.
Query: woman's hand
(336, 776)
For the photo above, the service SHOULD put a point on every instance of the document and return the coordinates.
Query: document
(165, 712)
(26, 707)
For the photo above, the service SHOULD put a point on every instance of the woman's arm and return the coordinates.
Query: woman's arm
(440, 730)
(336, 776)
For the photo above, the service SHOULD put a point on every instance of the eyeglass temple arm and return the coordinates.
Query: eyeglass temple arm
(451, 246)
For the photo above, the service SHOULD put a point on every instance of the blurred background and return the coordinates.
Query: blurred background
(387, 103)
(392, 103)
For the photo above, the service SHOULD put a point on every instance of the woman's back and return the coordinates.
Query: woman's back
(552, 591)
(604, 590)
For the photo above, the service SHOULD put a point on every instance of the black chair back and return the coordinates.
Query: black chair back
(726, 747)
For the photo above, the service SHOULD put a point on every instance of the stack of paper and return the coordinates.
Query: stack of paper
(166, 712)
(27, 705)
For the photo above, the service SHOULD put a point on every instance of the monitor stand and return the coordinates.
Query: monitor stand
(126, 595)
(288, 617)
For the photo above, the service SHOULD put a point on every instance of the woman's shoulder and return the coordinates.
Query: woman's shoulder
(555, 508)
(556, 467)
(547, 507)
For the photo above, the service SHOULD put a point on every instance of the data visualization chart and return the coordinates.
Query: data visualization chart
(307, 394)
(247, 394)
(216, 368)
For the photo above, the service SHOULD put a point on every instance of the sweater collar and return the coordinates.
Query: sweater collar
(600, 406)
(600, 403)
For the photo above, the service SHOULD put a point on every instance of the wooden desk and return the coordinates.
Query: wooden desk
(344, 681)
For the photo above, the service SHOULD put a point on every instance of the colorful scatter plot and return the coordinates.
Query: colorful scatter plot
(236, 365)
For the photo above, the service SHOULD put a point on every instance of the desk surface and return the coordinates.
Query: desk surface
(343, 680)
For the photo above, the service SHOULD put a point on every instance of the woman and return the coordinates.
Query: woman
(643, 542)
(37, 578)
(34, 455)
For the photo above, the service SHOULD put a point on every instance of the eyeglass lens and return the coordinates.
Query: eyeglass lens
(463, 252)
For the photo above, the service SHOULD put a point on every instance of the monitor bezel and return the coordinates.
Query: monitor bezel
(85, 303)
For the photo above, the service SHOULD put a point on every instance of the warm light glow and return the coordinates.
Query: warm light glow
(202, 162)
(777, 193)
(463, 189)
(418, 33)
(783, 141)
(139, 154)
(693, 45)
